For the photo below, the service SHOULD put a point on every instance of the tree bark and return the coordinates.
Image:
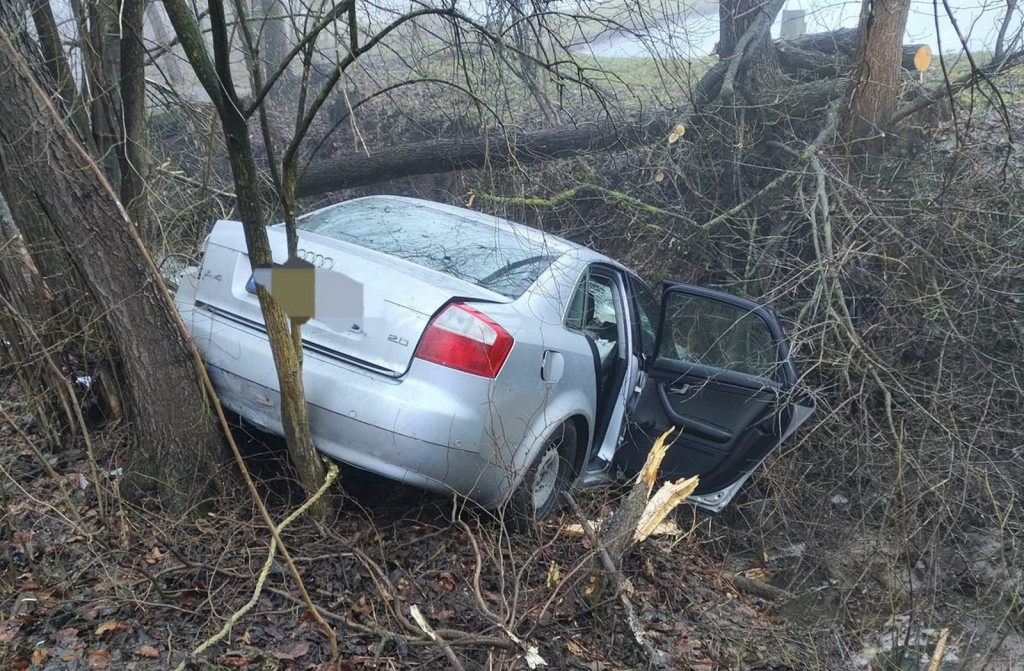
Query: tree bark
(132, 151)
(67, 314)
(59, 198)
(874, 85)
(25, 298)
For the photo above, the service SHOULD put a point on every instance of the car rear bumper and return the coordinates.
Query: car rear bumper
(431, 435)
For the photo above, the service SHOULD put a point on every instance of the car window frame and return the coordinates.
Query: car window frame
(638, 286)
(621, 291)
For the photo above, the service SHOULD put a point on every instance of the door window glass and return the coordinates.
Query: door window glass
(714, 334)
(574, 316)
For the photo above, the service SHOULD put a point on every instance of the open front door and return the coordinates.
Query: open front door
(721, 374)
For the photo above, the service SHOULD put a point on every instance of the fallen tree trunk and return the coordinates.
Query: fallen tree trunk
(822, 55)
(494, 150)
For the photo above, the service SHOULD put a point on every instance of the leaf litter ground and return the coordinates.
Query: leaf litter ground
(139, 589)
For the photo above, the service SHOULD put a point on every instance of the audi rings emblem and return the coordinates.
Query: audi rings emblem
(318, 260)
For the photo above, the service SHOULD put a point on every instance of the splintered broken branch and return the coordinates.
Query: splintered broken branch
(639, 514)
(662, 503)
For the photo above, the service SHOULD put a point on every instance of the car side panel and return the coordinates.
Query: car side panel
(524, 408)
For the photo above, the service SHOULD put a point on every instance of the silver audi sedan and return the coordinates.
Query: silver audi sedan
(469, 355)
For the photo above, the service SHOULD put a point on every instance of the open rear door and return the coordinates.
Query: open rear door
(721, 374)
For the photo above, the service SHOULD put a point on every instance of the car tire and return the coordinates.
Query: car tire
(548, 476)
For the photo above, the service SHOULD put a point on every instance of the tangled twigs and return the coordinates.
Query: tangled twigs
(477, 566)
(50, 472)
(622, 588)
(332, 473)
(444, 637)
(72, 410)
(530, 652)
(453, 636)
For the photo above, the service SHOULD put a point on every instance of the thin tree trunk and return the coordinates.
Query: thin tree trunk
(132, 150)
(102, 58)
(57, 64)
(294, 410)
(215, 75)
(169, 62)
(275, 40)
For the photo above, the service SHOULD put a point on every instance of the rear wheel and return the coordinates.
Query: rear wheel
(549, 475)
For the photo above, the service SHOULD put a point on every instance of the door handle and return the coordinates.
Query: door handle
(679, 391)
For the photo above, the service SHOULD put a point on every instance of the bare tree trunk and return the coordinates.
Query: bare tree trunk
(294, 410)
(744, 33)
(1004, 26)
(275, 40)
(57, 269)
(62, 203)
(132, 152)
(170, 64)
(752, 69)
(57, 64)
(874, 85)
(215, 75)
(494, 150)
(102, 55)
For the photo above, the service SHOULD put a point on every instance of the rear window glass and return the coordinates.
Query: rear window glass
(489, 257)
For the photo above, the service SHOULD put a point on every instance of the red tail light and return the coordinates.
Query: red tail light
(462, 338)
